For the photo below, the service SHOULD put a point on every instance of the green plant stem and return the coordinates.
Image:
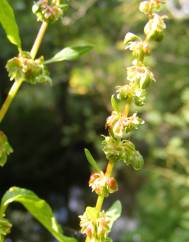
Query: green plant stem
(17, 84)
(38, 40)
(14, 89)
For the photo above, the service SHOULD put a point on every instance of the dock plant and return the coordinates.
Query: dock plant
(28, 67)
(96, 223)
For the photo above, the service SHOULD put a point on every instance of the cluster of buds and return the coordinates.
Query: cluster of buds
(156, 24)
(120, 124)
(48, 12)
(5, 148)
(95, 225)
(149, 7)
(24, 67)
(116, 147)
(122, 150)
(102, 185)
(131, 93)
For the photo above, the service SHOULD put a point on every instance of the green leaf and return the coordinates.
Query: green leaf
(114, 103)
(5, 148)
(91, 160)
(138, 161)
(114, 212)
(69, 53)
(8, 21)
(37, 207)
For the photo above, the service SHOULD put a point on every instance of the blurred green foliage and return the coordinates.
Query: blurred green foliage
(57, 122)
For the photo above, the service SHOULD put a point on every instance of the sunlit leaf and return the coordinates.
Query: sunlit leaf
(8, 21)
(5, 148)
(37, 207)
(114, 212)
(69, 53)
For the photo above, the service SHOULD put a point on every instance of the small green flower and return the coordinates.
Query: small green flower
(155, 27)
(25, 68)
(131, 92)
(120, 124)
(138, 47)
(102, 184)
(94, 224)
(45, 11)
(122, 150)
(148, 7)
(5, 148)
(141, 75)
(139, 96)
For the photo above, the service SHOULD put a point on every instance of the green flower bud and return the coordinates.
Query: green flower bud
(145, 7)
(124, 93)
(138, 47)
(155, 27)
(139, 96)
(140, 74)
(148, 7)
(25, 68)
(122, 150)
(5, 148)
(137, 160)
(130, 37)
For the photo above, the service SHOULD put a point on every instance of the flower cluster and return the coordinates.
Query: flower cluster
(120, 124)
(116, 146)
(5, 148)
(139, 76)
(48, 12)
(95, 225)
(24, 67)
(122, 150)
(102, 184)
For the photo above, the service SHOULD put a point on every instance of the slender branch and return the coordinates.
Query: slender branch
(14, 89)
(38, 39)
(17, 84)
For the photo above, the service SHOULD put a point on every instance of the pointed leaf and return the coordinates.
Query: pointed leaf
(69, 53)
(5, 148)
(114, 103)
(8, 21)
(91, 160)
(114, 212)
(37, 207)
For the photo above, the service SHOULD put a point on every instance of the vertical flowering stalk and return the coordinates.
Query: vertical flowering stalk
(96, 223)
